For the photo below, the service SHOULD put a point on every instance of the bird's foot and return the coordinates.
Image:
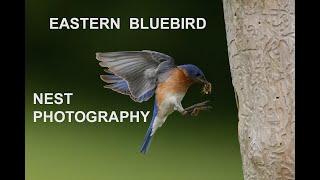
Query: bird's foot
(196, 108)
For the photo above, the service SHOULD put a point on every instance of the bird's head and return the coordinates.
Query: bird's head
(195, 74)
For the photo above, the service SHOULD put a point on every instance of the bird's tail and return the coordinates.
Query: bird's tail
(148, 137)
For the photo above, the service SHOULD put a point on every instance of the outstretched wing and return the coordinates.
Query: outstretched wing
(140, 69)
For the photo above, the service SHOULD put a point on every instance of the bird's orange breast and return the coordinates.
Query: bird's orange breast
(177, 83)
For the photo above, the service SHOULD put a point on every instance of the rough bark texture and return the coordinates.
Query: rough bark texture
(261, 48)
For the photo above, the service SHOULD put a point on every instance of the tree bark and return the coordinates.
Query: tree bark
(261, 50)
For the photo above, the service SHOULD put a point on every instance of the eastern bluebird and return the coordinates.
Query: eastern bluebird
(141, 74)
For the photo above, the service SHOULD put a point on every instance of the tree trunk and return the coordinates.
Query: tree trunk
(261, 49)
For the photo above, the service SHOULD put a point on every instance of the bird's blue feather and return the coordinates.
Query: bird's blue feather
(148, 137)
(146, 96)
(121, 85)
(191, 70)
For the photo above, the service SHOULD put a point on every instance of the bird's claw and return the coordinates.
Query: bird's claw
(196, 105)
(196, 108)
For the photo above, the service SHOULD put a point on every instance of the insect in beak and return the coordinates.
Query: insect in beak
(206, 87)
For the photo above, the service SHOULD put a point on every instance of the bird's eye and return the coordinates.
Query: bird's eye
(197, 74)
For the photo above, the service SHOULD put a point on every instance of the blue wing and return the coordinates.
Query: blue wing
(142, 71)
(121, 86)
(148, 138)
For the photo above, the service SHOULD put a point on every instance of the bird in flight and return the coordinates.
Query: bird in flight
(141, 74)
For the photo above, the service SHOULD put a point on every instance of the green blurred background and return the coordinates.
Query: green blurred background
(202, 147)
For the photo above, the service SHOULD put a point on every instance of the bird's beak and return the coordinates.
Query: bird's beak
(202, 79)
(207, 85)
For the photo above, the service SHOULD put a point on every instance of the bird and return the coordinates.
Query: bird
(144, 74)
